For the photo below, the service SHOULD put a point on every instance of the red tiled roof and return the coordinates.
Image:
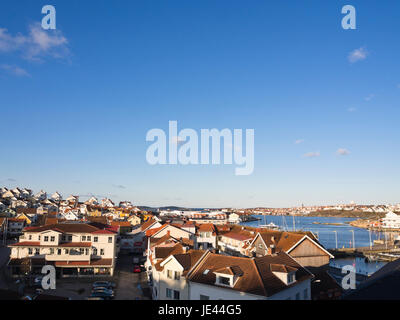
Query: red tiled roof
(103, 232)
(26, 244)
(75, 244)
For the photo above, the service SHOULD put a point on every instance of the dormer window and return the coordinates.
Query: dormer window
(285, 273)
(224, 280)
(291, 277)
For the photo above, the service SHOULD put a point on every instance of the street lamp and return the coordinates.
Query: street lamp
(336, 238)
(370, 241)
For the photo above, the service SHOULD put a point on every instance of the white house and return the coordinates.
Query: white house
(75, 249)
(202, 275)
(391, 221)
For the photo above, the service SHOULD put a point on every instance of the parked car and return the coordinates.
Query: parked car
(137, 269)
(103, 289)
(94, 298)
(102, 294)
(106, 284)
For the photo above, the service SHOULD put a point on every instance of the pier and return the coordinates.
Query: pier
(373, 253)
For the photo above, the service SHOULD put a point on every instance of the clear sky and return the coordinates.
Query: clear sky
(76, 103)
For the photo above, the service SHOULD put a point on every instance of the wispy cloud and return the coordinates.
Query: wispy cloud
(311, 154)
(119, 186)
(342, 152)
(15, 70)
(358, 55)
(352, 109)
(398, 85)
(369, 97)
(298, 141)
(37, 45)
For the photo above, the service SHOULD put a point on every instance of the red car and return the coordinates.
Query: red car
(137, 269)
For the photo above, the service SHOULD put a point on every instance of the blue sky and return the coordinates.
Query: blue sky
(76, 103)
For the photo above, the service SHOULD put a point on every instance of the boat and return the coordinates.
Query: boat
(271, 225)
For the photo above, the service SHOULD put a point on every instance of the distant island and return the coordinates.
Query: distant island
(347, 214)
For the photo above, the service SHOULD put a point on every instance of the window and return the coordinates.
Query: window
(95, 251)
(30, 251)
(69, 238)
(30, 237)
(89, 238)
(96, 239)
(46, 238)
(59, 251)
(66, 251)
(51, 250)
(110, 240)
(225, 281)
(177, 275)
(169, 274)
(102, 252)
(176, 295)
(86, 251)
(83, 238)
(81, 250)
(291, 278)
(53, 238)
(37, 251)
(203, 297)
(169, 293)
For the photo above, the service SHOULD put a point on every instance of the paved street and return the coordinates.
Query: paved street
(130, 285)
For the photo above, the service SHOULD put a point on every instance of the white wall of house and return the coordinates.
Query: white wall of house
(166, 280)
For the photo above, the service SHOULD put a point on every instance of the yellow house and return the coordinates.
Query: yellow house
(134, 220)
(147, 216)
(23, 216)
(95, 213)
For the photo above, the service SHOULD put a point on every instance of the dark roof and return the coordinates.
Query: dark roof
(273, 284)
(189, 259)
(254, 275)
(382, 285)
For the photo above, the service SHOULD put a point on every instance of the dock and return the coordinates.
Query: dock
(374, 253)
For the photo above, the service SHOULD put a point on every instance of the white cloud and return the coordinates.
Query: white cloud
(358, 55)
(299, 141)
(15, 70)
(351, 109)
(342, 152)
(312, 154)
(36, 45)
